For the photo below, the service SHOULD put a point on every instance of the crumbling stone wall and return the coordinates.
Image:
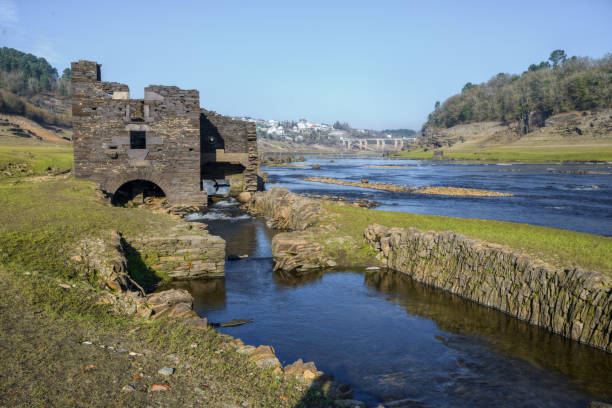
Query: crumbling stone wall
(184, 255)
(229, 149)
(103, 117)
(572, 302)
(182, 144)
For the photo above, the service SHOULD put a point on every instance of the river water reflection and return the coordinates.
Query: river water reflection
(392, 339)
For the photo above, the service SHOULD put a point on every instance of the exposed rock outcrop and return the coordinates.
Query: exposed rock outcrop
(589, 126)
(102, 261)
(286, 210)
(572, 302)
(431, 190)
(297, 252)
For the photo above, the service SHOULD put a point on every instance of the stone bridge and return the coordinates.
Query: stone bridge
(379, 145)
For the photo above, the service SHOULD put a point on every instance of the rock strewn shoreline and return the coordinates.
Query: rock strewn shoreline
(450, 191)
(574, 303)
(106, 264)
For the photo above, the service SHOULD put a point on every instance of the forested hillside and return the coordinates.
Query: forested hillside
(25, 74)
(31, 87)
(560, 84)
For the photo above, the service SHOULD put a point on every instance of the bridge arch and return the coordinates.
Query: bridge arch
(136, 188)
(124, 187)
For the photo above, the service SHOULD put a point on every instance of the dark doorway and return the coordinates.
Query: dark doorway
(136, 191)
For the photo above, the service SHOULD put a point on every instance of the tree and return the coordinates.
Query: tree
(541, 65)
(530, 98)
(66, 74)
(467, 87)
(341, 126)
(556, 57)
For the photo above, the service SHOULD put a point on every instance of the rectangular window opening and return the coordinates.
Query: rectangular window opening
(138, 139)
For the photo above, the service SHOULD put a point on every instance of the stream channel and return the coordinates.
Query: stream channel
(397, 342)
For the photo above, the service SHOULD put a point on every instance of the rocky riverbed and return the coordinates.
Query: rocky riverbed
(449, 191)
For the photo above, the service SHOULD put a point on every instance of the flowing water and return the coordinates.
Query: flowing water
(576, 197)
(395, 341)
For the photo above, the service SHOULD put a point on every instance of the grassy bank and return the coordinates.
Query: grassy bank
(28, 160)
(527, 154)
(45, 363)
(558, 247)
(43, 325)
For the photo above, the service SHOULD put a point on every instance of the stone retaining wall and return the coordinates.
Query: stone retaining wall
(184, 255)
(572, 302)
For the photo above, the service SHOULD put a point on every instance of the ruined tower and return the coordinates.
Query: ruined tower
(164, 140)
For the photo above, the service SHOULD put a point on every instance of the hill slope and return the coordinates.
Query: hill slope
(571, 136)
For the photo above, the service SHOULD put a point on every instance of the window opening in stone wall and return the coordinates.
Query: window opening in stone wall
(138, 139)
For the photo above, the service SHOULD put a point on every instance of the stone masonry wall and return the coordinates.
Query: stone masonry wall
(231, 141)
(103, 116)
(184, 256)
(572, 302)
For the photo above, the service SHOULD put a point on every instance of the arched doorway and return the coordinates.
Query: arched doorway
(136, 191)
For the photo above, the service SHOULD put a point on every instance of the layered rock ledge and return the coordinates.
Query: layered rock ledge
(298, 251)
(285, 210)
(572, 302)
(431, 190)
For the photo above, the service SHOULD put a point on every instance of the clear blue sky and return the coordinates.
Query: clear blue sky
(374, 64)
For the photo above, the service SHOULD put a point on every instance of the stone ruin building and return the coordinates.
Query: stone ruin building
(161, 144)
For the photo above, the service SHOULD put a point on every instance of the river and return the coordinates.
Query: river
(395, 341)
(571, 196)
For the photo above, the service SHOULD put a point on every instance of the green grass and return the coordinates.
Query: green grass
(35, 159)
(558, 247)
(526, 154)
(42, 324)
(40, 221)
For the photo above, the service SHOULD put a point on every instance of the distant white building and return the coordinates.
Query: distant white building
(275, 131)
(338, 133)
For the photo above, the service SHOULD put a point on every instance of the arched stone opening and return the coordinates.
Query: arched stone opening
(136, 191)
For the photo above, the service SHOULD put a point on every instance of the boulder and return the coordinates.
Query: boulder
(263, 356)
(244, 197)
(296, 252)
(305, 372)
(161, 302)
(286, 210)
